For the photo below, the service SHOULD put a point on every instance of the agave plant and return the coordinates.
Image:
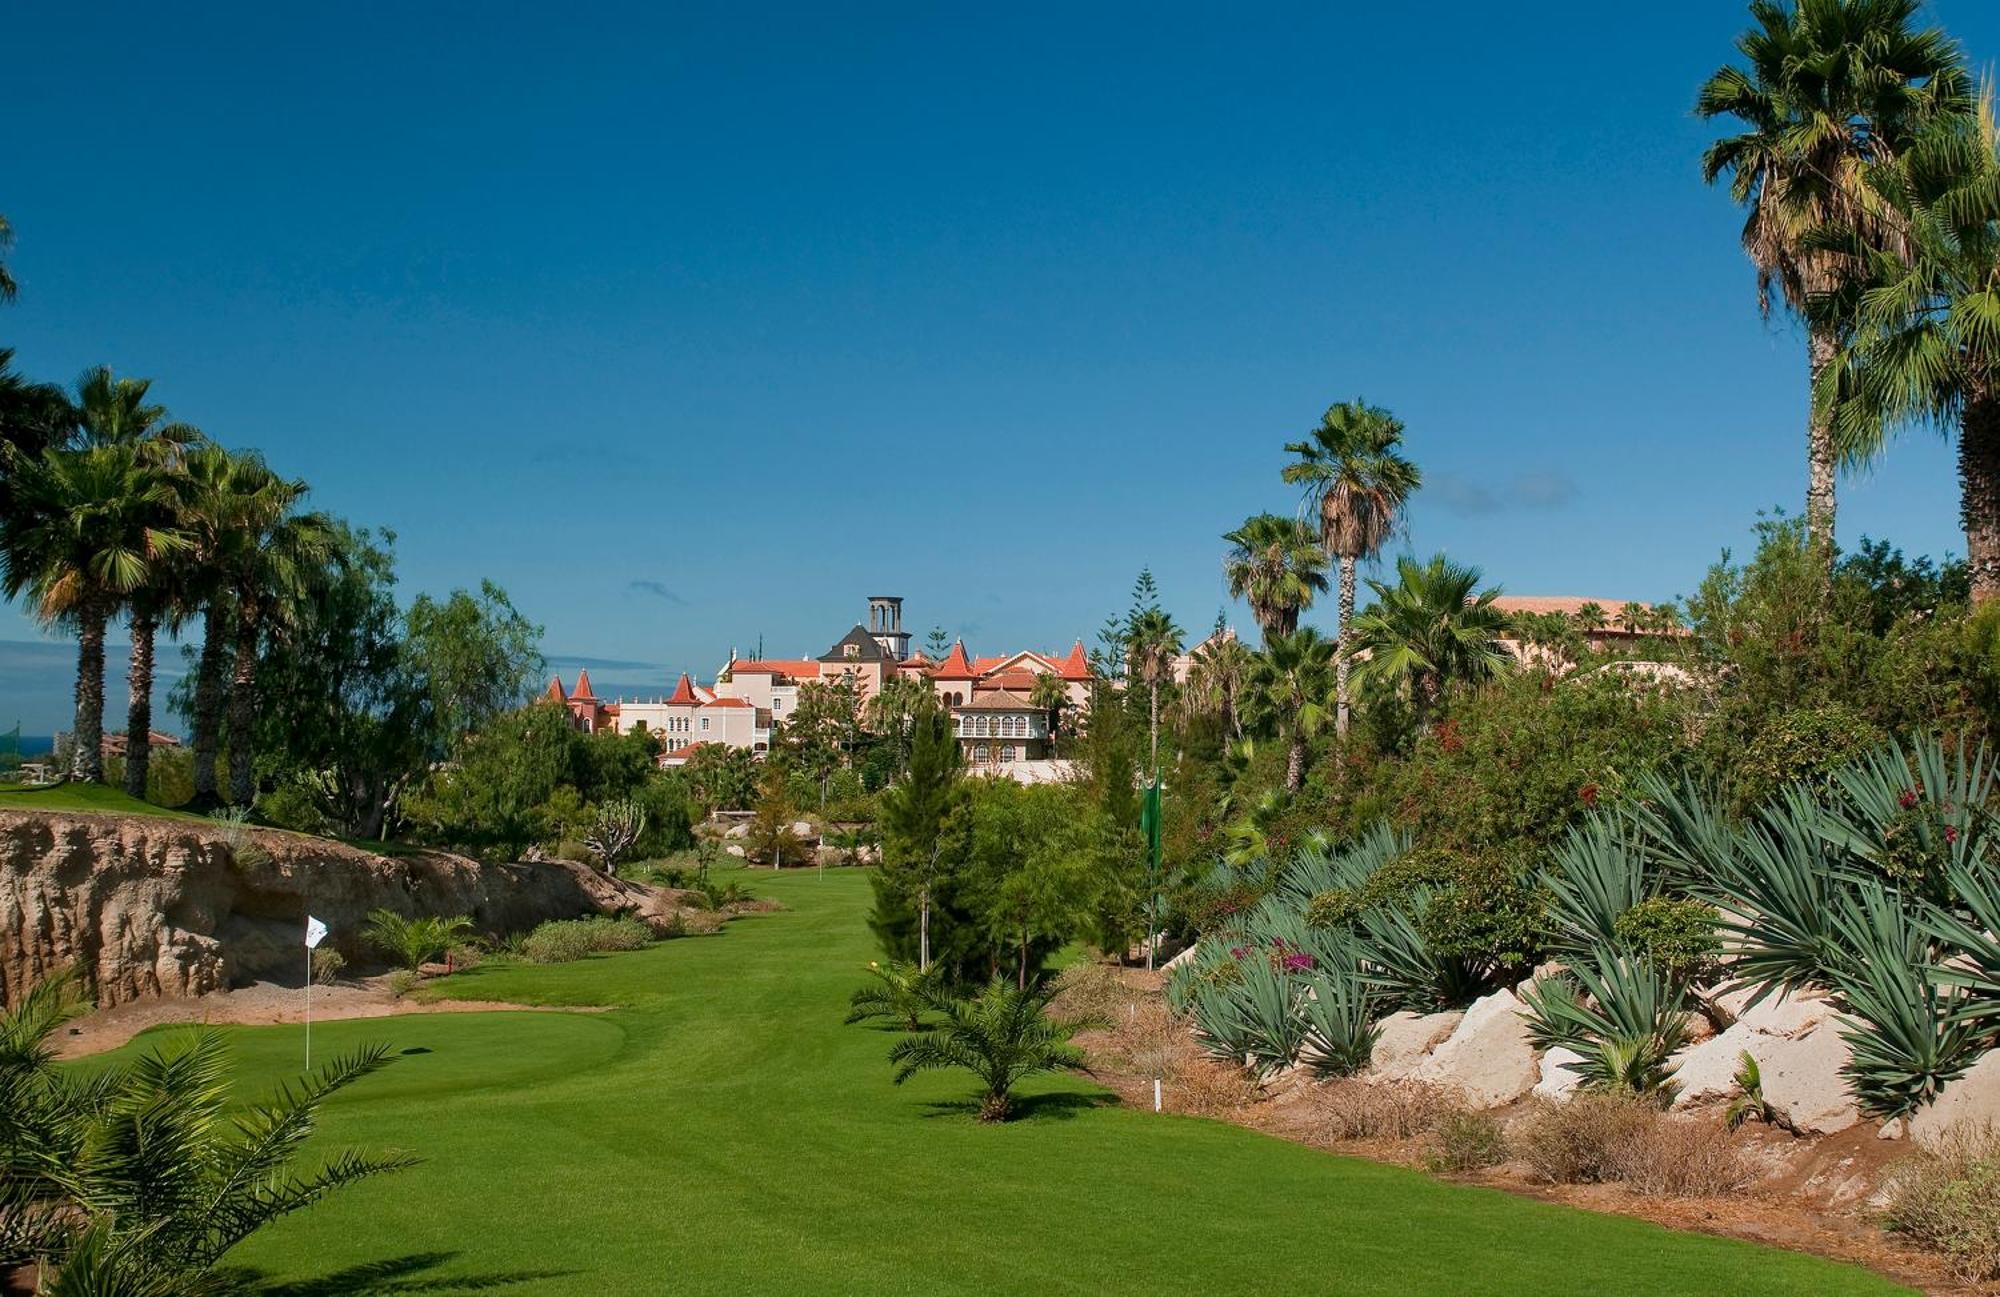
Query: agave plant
(1315, 869)
(1003, 1035)
(1340, 1013)
(1780, 891)
(1412, 974)
(1909, 1037)
(901, 994)
(1681, 828)
(1970, 932)
(1258, 1021)
(1594, 875)
(1624, 1016)
(1914, 815)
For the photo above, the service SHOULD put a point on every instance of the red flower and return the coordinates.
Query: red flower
(1950, 833)
(1298, 962)
(1908, 798)
(1587, 794)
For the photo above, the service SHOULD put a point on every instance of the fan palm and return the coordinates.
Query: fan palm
(8, 288)
(1217, 680)
(1926, 320)
(1003, 1035)
(414, 942)
(1432, 628)
(1357, 482)
(1051, 694)
(86, 529)
(113, 411)
(1291, 681)
(1276, 564)
(1831, 87)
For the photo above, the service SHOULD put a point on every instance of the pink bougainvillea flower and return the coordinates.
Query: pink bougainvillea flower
(1908, 798)
(1950, 833)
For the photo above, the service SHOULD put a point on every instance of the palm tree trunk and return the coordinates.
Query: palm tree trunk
(86, 759)
(1295, 762)
(924, 930)
(1021, 977)
(208, 706)
(139, 711)
(243, 709)
(1341, 700)
(1821, 460)
(1979, 490)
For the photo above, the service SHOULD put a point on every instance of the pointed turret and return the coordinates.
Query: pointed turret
(556, 694)
(955, 666)
(582, 694)
(684, 693)
(1077, 665)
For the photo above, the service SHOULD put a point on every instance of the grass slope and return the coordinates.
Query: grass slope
(83, 797)
(721, 1132)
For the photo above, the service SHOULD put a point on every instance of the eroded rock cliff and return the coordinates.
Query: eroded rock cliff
(158, 907)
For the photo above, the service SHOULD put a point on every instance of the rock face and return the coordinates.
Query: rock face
(1488, 1057)
(1799, 1051)
(1969, 1101)
(1406, 1040)
(1558, 1081)
(150, 906)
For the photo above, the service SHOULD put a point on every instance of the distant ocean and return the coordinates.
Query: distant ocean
(36, 745)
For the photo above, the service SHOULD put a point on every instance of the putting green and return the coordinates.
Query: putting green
(721, 1132)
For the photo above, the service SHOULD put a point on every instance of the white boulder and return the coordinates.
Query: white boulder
(1488, 1058)
(1706, 1072)
(1970, 1100)
(1802, 1079)
(1559, 1080)
(1406, 1039)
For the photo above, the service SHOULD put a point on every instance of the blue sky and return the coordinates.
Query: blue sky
(691, 325)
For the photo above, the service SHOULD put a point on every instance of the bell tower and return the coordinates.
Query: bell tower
(885, 625)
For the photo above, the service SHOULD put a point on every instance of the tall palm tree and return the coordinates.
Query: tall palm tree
(1276, 564)
(1926, 347)
(113, 411)
(1152, 642)
(1433, 627)
(1830, 87)
(1357, 481)
(34, 417)
(272, 582)
(1290, 681)
(1051, 694)
(1218, 678)
(8, 288)
(86, 528)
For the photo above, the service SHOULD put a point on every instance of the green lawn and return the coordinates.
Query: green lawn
(721, 1132)
(82, 797)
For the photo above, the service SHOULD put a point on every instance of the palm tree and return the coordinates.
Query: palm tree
(1277, 565)
(1218, 678)
(901, 994)
(414, 942)
(1050, 694)
(1591, 617)
(1831, 87)
(1004, 1035)
(1291, 680)
(86, 529)
(8, 288)
(1433, 627)
(1152, 642)
(1925, 347)
(113, 411)
(1358, 483)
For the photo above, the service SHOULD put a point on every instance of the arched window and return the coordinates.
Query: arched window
(979, 752)
(1007, 753)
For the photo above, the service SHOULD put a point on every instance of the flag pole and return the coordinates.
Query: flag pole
(309, 1008)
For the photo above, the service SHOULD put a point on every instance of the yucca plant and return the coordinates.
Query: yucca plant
(1780, 890)
(1257, 1022)
(1594, 875)
(1624, 1016)
(901, 994)
(1909, 1037)
(1003, 1035)
(413, 942)
(1340, 1013)
(1682, 829)
(1969, 932)
(1914, 815)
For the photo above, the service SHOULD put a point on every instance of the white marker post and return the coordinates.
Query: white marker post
(315, 933)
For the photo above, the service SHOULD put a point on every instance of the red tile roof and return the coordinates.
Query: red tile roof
(795, 668)
(684, 693)
(955, 667)
(725, 702)
(556, 693)
(582, 691)
(1077, 665)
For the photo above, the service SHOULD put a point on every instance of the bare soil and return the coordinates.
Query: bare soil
(1808, 1195)
(262, 1004)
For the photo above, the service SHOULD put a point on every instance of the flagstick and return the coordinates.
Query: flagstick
(309, 1009)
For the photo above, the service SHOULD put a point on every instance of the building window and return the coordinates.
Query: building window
(1007, 753)
(979, 752)
(704, 722)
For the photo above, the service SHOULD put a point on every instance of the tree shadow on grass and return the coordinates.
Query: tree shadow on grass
(403, 1274)
(1060, 1105)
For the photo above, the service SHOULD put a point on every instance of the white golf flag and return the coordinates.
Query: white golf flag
(315, 932)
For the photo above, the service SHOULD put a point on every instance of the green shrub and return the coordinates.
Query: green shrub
(403, 981)
(414, 942)
(1947, 1198)
(559, 941)
(1679, 936)
(1466, 1141)
(1804, 743)
(326, 965)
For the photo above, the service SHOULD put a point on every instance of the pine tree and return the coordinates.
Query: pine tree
(923, 823)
